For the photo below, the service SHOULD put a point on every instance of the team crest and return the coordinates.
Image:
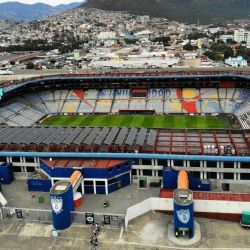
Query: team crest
(57, 204)
(183, 215)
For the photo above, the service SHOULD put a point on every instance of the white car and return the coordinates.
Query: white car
(6, 72)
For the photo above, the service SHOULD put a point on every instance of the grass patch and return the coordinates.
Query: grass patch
(138, 121)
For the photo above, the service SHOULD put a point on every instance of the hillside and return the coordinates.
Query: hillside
(20, 11)
(207, 11)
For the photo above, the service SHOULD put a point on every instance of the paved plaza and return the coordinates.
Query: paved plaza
(146, 232)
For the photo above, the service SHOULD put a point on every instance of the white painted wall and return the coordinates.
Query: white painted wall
(166, 204)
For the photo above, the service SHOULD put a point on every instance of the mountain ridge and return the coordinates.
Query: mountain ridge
(206, 11)
(28, 12)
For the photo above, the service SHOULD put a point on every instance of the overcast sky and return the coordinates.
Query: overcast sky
(50, 2)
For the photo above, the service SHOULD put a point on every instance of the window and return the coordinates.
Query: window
(29, 159)
(146, 162)
(30, 169)
(134, 171)
(111, 181)
(162, 163)
(244, 165)
(100, 183)
(88, 183)
(228, 164)
(3, 159)
(178, 163)
(194, 163)
(159, 172)
(17, 169)
(211, 164)
(16, 159)
(228, 176)
(245, 176)
(211, 175)
(147, 172)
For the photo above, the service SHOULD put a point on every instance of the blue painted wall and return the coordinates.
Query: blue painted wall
(89, 189)
(124, 180)
(170, 181)
(196, 184)
(102, 173)
(113, 187)
(39, 185)
(62, 217)
(184, 217)
(6, 173)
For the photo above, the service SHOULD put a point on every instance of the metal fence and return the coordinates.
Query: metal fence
(26, 214)
(39, 215)
(113, 220)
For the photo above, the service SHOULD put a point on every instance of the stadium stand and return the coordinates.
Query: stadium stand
(91, 94)
(57, 94)
(120, 105)
(103, 106)
(106, 94)
(122, 94)
(172, 106)
(222, 93)
(64, 94)
(156, 105)
(244, 116)
(211, 93)
(137, 104)
(70, 106)
(156, 93)
(210, 106)
(86, 106)
(34, 106)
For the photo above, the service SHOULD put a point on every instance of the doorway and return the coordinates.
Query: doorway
(143, 182)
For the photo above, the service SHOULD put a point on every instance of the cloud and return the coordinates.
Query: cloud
(50, 2)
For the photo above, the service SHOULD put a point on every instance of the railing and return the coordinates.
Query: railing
(45, 216)
(28, 214)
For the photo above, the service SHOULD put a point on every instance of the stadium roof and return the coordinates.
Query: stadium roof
(125, 140)
(114, 77)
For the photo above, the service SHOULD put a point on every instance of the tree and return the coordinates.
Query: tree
(243, 51)
(214, 55)
(12, 63)
(228, 53)
(52, 61)
(131, 41)
(30, 65)
(196, 35)
(189, 47)
(163, 39)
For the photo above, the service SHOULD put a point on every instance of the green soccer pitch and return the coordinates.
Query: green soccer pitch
(139, 121)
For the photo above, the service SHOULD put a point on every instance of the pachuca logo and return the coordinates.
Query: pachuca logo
(183, 215)
(57, 204)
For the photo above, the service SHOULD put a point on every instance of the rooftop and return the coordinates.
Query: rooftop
(81, 163)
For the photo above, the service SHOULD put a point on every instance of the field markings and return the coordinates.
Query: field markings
(169, 121)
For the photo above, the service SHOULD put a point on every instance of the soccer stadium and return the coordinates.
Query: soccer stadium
(202, 115)
(119, 129)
